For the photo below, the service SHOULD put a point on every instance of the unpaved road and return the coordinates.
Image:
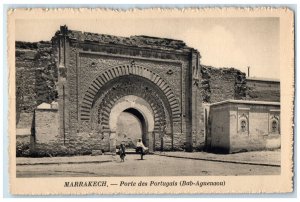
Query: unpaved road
(153, 165)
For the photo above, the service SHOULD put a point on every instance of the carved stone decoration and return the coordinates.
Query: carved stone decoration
(274, 123)
(243, 121)
(132, 63)
(244, 125)
(93, 65)
(170, 72)
(132, 86)
(99, 86)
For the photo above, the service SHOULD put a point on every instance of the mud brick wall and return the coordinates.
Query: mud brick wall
(86, 143)
(25, 82)
(36, 75)
(219, 84)
(48, 141)
(263, 90)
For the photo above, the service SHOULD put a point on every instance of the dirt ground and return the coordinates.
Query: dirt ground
(152, 165)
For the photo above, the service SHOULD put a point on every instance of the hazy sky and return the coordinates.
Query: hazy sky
(222, 42)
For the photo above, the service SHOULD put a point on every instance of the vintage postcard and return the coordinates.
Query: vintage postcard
(151, 101)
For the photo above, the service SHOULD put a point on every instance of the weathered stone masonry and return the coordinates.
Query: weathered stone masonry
(36, 74)
(91, 67)
(261, 89)
(91, 76)
(219, 84)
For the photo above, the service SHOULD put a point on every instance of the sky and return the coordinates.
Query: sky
(222, 42)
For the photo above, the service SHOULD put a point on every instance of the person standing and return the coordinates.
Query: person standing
(140, 148)
(122, 152)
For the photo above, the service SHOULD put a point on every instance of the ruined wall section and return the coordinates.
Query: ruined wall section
(36, 76)
(46, 74)
(219, 84)
(25, 81)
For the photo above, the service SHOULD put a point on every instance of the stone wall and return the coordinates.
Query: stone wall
(218, 139)
(24, 120)
(25, 80)
(89, 64)
(48, 141)
(220, 84)
(36, 76)
(46, 125)
(196, 102)
(245, 126)
(259, 134)
(263, 89)
(35, 79)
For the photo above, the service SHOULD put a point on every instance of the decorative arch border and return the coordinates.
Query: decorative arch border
(130, 69)
(125, 104)
(112, 97)
(244, 119)
(243, 116)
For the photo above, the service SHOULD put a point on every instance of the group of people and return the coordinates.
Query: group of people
(140, 148)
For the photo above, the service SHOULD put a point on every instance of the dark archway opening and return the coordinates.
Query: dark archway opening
(131, 126)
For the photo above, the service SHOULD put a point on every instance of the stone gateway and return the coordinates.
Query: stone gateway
(94, 79)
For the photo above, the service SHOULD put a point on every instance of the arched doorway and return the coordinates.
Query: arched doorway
(131, 126)
(141, 110)
(109, 87)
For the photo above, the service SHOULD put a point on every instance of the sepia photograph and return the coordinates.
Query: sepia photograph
(151, 94)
